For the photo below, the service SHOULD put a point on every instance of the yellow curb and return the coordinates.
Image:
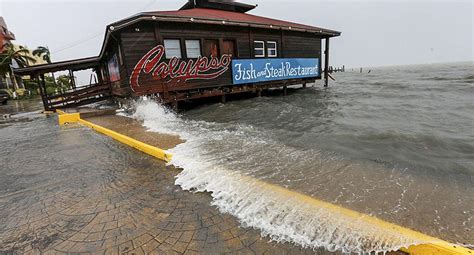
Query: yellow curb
(64, 118)
(430, 246)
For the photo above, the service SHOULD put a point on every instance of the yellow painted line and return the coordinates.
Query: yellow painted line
(429, 245)
(64, 118)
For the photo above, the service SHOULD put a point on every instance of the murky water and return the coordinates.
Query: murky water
(397, 143)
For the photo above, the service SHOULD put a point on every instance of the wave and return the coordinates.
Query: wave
(281, 214)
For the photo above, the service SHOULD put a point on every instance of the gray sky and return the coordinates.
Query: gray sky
(374, 33)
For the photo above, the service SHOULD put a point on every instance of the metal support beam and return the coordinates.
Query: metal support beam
(326, 63)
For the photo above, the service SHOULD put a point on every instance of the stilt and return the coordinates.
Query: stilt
(223, 99)
(285, 92)
(326, 63)
(175, 105)
(259, 92)
(304, 85)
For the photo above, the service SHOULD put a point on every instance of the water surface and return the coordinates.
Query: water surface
(396, 143)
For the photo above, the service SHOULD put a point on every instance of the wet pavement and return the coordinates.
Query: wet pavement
(70, 189)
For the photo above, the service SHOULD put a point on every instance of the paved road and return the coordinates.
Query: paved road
(72, 190)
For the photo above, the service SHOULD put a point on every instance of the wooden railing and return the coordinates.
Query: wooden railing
(80, 96)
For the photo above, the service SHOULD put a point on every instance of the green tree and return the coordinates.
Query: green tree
(64, 82)
(45, 54)
(10, 55)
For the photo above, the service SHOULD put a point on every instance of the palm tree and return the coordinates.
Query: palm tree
(45, 54)
(20, 57)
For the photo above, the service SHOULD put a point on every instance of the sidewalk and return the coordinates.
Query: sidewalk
(96, 196)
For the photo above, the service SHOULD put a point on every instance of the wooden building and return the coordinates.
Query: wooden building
(207, 48)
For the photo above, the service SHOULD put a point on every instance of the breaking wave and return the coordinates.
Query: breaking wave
(281, 214)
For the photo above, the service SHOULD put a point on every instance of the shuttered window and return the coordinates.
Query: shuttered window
(193, 48)
(172, 48)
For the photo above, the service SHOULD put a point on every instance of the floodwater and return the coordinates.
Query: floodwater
(396, 143)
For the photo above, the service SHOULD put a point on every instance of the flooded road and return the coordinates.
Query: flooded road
(71, 190)
(396, 144)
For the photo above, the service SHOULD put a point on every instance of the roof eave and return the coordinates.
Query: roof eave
(326, 33)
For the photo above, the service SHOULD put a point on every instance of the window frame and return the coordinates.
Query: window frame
(218, 45)
(268, 49)
(255, 49)
(186, 48)
(180, 49)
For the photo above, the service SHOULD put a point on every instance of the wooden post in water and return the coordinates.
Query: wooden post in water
(326, 63)
(285, 92)
(223, 99)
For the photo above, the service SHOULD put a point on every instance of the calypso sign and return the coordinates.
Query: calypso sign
(177, 70)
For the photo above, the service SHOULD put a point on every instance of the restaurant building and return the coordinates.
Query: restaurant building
(207, 48)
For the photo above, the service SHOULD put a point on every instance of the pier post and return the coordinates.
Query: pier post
(285, 92)
(304, 85)
(223, 99)
(259, 92)
(326, 63)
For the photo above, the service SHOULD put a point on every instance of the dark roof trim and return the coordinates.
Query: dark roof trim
(75, 65)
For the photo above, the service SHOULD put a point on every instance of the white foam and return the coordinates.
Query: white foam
(281, 216)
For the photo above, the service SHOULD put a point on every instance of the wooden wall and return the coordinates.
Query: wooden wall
(137, 39)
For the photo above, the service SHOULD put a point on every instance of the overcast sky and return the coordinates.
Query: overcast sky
(374, 33)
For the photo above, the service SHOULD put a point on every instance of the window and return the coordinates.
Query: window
(172, 48)
(193, 48)
(211, 48)
(272, 49)
(259, 49)
(228, 47)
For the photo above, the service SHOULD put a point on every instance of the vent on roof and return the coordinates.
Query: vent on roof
(226, 5)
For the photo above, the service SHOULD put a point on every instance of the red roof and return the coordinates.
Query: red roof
(236, 17)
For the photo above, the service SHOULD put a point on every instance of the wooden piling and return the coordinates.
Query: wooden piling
(326, 63)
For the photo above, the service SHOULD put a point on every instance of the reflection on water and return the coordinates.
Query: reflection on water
(396, 143)
(19, 106)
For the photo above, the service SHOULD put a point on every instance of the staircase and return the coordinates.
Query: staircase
(77, 97)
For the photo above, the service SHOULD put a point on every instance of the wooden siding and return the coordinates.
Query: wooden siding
(138, 39)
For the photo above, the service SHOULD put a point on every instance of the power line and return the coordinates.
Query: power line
(81, 41)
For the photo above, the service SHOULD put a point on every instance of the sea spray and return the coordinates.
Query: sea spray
(283, 216)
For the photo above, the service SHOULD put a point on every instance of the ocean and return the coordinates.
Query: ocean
(396, 143)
